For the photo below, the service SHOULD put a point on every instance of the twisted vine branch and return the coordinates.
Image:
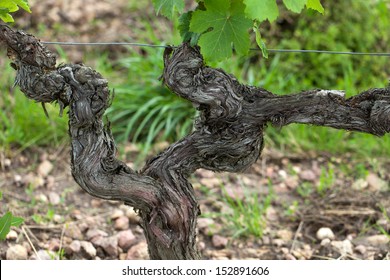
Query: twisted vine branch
(228, 134)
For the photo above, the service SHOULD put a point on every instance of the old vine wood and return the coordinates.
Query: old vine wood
(227, 136)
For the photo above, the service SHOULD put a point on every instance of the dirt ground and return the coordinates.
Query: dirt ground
(346, 221)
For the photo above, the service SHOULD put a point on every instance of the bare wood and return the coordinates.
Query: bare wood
(228, 134)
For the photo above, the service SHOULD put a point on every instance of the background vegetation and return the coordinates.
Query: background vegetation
(144, 111)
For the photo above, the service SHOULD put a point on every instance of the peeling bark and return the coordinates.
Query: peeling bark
(228, 134)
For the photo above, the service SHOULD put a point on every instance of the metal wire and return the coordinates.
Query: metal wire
(253, 49)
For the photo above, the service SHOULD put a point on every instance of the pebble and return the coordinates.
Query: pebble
(54, 198)
(219, 241)
(92, 233)
(205, 223)
(54, 244)
(110, 245)
(44, 255)
(50, 182)
(45, 168)
(73, 232)
(87, 249)
(308, 175)
(377, 240)
(73, 248)
(16, 252)
(116, 214)
(12, 235)
(324, 233)
(122, 223)
(282, 173)
(325, 242)
(361, 249)
(132, 215)
(126, 239)
(211, 182)
(375, 183)
(292, 182)
(284, 234)
(138, 252)
(359, 184)
(343, 247)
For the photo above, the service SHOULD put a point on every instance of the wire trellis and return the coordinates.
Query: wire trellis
(252, 49)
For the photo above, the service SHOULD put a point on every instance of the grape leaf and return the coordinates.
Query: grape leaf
(295, 5)
(261, 9)
(168, 7)
(315, 5)
(16, 221)
(5, 225)
(260, 42)
(228, 25)
(10, 6)
(184, 29)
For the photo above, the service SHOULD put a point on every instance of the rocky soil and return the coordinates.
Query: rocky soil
(348, 220)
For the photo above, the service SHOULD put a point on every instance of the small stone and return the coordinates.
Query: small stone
(116, 214)
(122, 223)
(376, 184)
(132, 215)
(361, 249)
(16, 252)
(73, 248)
(138, 252)
(278, 242)
(284, 234)
(110, 246)
(378, 240)
(282, 173)
(92, 233)
(211, 182)
(87, 249)
(54, 198)
(359, 184)
(54, 244)
(343, 247)
(325, 242)
(12, 235)
(291, 182)
(45, 168)
(58, 218)
(205, 173)
(308, 175)
(126, 239)
(50, 182)
(33, 181)
(271, 214)
(7, 162)
(44, 255)
(41, 197)
(74, 232)
(324, 233)
(17, 178)
(205, 222)
(219, 241)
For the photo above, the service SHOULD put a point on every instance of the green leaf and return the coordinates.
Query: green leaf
(260, 42)
(10, 6)
(22, 4)
(315, 5)
(184, 29)
(5, 225)
(1, 195)
(228, 25)
(295, 5)
(261, 10)
(168, 7)
(16, 221)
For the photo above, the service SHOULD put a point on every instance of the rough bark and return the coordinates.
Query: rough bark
(228, 134)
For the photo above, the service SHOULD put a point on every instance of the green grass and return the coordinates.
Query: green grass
(23, 122)
(247, 215)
